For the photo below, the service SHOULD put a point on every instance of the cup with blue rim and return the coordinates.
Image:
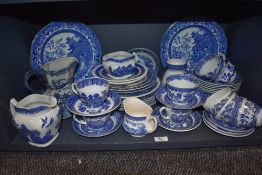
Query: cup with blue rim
(93, 122)
(119, 64)
(174, 115)
(92, 91)
(181, 88)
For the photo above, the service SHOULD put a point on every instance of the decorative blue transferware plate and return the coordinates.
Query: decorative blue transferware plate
(192, 41)
(189, 124)
(143, 92)
(139, 73)
(224, 128)
(66, 39)
(76, 106)
(195, 101)
(147, 57)
(113, 123)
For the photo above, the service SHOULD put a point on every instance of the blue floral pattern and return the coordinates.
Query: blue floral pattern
(192, 41)
(121, 71)
(66, 39)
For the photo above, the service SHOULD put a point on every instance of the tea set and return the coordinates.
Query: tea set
(101, 93)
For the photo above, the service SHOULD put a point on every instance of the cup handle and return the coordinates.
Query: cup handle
(150, 128)
(222, 55)
(73, 86)
(28, 75)
(79, 121)
(136, 57)
(163, 113)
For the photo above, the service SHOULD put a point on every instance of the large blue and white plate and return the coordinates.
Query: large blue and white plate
(224, 128)
(113, 123)
(190, 123)
(147, 57)
(76, 106)
(66, 39)
(193, 102)
(192, 41)
(139, 73)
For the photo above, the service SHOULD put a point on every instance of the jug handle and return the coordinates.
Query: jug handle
(73, 87)
(161, 110)
(27, 77)
(149, 128)
(13, 104)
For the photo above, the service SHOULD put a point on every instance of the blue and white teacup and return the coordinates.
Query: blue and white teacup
(174, 115)
(93, 122)
(181, 87)
(92, 91)
(228, 73)
(138, 120)
(119, 64)
(210, 67)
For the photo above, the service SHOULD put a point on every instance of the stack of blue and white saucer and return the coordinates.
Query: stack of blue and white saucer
(180, 96)
(129, 76)
(93, 106)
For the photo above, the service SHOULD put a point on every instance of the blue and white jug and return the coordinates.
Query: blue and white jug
(38, 119)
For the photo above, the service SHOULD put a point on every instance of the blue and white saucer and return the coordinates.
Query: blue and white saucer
(113, 123)
(190, 123)
(195, 101)
(139, 73)
(76, 106)
(224, 128)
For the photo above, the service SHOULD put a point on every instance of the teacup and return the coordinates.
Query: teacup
(138, 120)
(94, 122)
(233, 109)
(119, 64)
(92, 91)
(228, 73)
(210, 67)
(181, 87)
(175, 115)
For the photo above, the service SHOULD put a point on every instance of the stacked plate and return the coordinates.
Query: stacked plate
(211, 87)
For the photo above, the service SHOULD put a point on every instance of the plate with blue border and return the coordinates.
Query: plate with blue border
(195, 101)
(76, 106)
(66, 39)
(147, 57)
(224, 128)
(192, 41)
(139, 73)
(113, 124)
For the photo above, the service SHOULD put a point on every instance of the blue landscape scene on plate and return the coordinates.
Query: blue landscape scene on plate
(66, 39)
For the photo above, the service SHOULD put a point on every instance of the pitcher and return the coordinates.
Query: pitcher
(138, 120)
(37, 118)
(57, 77)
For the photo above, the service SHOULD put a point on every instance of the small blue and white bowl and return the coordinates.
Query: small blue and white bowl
(92, 91)
(181, 87)
(119, 64)
(210, 67)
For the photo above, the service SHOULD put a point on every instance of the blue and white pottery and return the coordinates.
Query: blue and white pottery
(138, 120)
(210, 67)
(57, 77)
(174, 114)
(182, 124)
(174, 66)
(225, 128)
(66, 39)
(113, 123)
(139, 73)
(76, 106)
(147, 57)
(237, 111)
(93, 91)
(228, 74)
(192, 41)
(38, 119)
(194, 101)
(119, 64)
(181, 87)
(95, 122)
